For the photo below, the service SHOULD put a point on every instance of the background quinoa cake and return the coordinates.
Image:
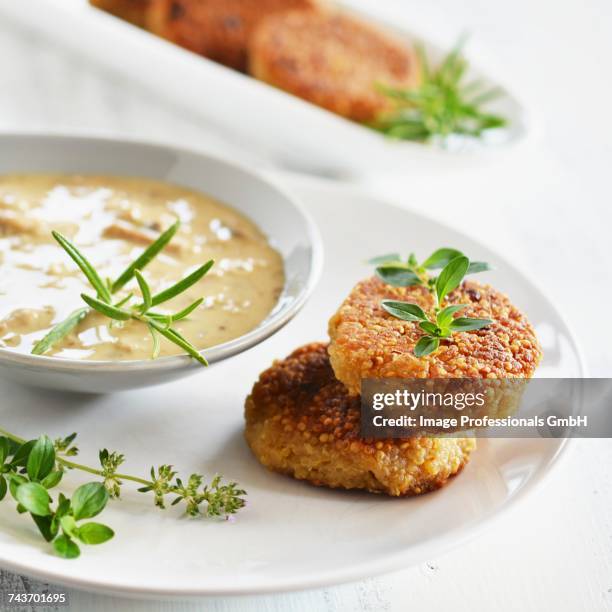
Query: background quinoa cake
(332, 60)
(301, 421)
(217, 29)
(368, 342)
(134, 11)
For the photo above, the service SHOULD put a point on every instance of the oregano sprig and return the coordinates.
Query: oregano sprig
(403, 273)
(30, 469)
(159, 324)
(442, 323)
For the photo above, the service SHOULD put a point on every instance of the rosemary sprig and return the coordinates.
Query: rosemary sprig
(158, 324)
(29, 469)
(443, 104)
(442, 323)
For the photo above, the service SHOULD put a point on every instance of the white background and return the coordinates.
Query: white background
(548, 207)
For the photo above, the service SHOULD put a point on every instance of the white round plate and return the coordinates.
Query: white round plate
(292, 535)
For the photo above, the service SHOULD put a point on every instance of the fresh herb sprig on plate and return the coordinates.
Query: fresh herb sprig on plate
(441, 323)
(30, 469)
(159, 324)
(442, 105)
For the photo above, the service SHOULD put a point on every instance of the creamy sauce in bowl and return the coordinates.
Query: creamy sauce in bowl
(112, 220)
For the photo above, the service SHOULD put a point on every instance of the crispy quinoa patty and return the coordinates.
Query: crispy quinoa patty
(367, 342)
(331, 60)
(301, 421)
(133, 11)
(217, 29)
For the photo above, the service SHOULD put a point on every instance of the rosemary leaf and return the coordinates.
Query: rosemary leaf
(60, 331)
(144, 290)
(106, 309)
(162, 318)
(125, 300)
(86, 267)
(183, 314)
(182, 285)
(175, 337)
(146, 256)
(156, 344)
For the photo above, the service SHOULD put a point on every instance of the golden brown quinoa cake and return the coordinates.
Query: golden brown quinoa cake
(367, 342)
(133, 11)
(217, 29)
(301, 421)
(331, 60)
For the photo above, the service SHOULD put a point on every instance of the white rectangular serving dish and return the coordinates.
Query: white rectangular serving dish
(279, 127)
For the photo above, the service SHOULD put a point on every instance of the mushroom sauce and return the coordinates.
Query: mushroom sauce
(112, 220)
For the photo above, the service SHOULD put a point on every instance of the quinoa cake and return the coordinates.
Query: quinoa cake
(332, 60)
(301, 421)
(133, 11)
(217, 29)
(368, 342)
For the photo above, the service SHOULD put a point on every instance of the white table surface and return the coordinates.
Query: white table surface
(548, 207)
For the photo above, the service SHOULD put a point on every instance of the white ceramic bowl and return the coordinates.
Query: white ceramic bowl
(289, 228)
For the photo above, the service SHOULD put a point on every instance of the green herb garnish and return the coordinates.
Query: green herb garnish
(159, 324)
(442, 324)
(443, 104)
(29, 469)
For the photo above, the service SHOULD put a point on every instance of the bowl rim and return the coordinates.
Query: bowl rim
(275, 320)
